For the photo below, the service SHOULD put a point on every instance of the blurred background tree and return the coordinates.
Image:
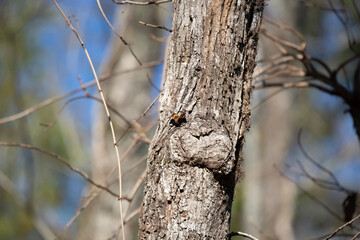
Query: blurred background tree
(40, 58)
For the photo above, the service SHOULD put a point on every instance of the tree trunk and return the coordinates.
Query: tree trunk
(194, 160)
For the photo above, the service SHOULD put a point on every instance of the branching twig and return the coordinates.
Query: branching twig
(289, 29)
(342, 227)
(60, 97)
(127, 219)
(332, 176)
(50, 125)
(105, 106)
(142, 115)
(117, 34)
(135, 189)
(62, 160)
(266, 98)
(95, 193)
(141, 3)
(311, 196)
(85, 202)
(330, 80)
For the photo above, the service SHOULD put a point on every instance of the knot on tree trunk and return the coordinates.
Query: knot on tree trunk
(203, 143)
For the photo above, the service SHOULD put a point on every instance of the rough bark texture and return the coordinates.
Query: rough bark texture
(193, 166)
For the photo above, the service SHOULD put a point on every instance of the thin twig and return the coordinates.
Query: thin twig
(245, 235)
(342, 65)
(62, 160)
(356, 236)
(60, 97)
(155, 26)
(311, 196)
(114, 110)
(315, 5)
(134, 190)
(127, 219)
(342, 227)
(274, 62)
(135, 165)
(320, 182)
(282, 42)
(85, 202)
(141, 3)
(87, 94)
(345, 23)
(50, 125)
(148, 108)
(142, 115)
(105, 106)
(303, 84)
(133, 214)
(151, 82)
(307, 156)
(121, 38)
(266, 98)
(95, 193)
(117, 34)
(290, 29)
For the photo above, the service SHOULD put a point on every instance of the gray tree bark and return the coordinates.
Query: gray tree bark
(193, 164)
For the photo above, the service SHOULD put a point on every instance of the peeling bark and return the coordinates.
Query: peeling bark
(193, 166)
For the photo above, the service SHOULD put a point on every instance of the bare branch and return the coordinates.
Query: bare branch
(282, 42)
(141, 3)
(105, 106)
(85, 202)
(328, 209)
(62, 160)
(117, 34)
(312, 4)
(60, 97)
(267, 98)
(345, 23)
(155, 26)
(127, 219)
(245, 235)
(142, 115)
(50, 125)
(303, 84)
(342, 227)
(356, 236)
(307, 156)
(283, 69)
(324, 65)
(135, 165)
(95, 193)
(290, 29)
(342, 65)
